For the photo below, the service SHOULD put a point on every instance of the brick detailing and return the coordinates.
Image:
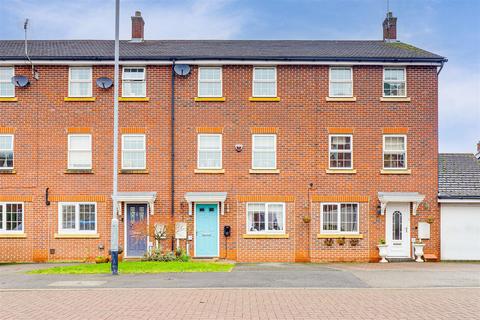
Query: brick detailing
(266, 198)
(79, 130)
(395, 130)
(16, 198)
(96, 198)
(7, 130)
(133, 130)
(210, 130)
(266, 130)
(319, 198)
(341, 130)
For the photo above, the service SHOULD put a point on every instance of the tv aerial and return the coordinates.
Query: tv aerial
(181, 69)
(104, 82)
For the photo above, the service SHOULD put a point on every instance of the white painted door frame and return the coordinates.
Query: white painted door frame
(398, 246)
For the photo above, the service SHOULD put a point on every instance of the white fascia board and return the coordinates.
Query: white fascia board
(458, 200)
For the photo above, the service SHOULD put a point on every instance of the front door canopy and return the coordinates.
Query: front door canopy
(413, 197)
(205, 197)
(136, 197)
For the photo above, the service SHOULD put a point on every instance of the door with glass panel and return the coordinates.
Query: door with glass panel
(398, 230)
(137, 228)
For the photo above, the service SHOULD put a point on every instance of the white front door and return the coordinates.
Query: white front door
(398, 230)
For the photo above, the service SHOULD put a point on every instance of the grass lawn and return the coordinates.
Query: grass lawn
(139, 267)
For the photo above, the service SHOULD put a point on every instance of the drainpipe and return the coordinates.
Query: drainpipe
(172, 155)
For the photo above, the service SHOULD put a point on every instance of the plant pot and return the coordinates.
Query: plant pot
(382, 252)
(418, 248)
(307, 219)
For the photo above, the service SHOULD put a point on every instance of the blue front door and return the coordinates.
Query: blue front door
(137, 228)
(206, 230)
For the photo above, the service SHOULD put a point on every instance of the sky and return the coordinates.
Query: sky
(450, 28)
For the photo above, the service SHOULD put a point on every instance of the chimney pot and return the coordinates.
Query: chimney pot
(390, 27)
(138, 27)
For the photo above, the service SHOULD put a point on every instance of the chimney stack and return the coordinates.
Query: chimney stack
(137, 27)
(390, 28)
(478, 150)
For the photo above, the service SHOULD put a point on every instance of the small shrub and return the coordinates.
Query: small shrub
(341, 241)
(354, 242)
(158, 255)
(382, 241)
(328, 242)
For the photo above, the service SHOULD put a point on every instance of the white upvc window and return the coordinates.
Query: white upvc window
(339, 218)
(340, 151)
(341, 82)
(394, 152)
(11, 217)
(266, 218)
(264, 82)
(77, 217)
(80, 82)
(210, 82)
(133, 82)
(394, 82)
(264, 151)
(6, 151)
(7, 88)
(209, 151)
(134, 152)
(79, 151)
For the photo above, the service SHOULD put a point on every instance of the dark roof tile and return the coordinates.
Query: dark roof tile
(458, 175)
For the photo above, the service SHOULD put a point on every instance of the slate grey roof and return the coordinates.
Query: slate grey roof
(323, 50)
(459, 176)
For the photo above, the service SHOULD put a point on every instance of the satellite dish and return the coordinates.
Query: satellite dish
(104, 82)
(20, 81)
(182, 69)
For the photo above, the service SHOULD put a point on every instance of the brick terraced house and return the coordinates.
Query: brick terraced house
(307, 150)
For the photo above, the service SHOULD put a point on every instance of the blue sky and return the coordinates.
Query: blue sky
(447, 27)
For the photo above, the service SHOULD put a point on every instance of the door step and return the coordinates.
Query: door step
(400, 259)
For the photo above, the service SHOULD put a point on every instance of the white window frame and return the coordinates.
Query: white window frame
(210, 81)
(4, 230)
(77, 218)
(144, 81)
(339, 218)
(89, 81)
(405, 151)
(90, 150)
(330, 81)
(267, 81)
(396, 81)
(253, 151)
(340, 151)
(9, 81)
(144, 150)
(13, 151)
(221, 150)
(267, 204)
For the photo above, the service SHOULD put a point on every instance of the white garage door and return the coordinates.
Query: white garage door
(460, 231)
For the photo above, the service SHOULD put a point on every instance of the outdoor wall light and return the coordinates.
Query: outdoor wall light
(379, 209)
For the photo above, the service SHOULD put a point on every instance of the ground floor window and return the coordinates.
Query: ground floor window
(11, 217)
(266, 217)
(339, 218)
(77, 217)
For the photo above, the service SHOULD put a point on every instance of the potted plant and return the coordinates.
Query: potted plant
(306, 219)
(418, 249)
(382, 250)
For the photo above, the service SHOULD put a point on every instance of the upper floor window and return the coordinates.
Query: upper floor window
(394, 152)
(339, 218)
(79, 151)
(266, 218)
(134, 152)
(7, 88)
(77, 217)
(394, 82)
(210, 82)
(264, 151)
(341, 82)
(6, 151)
(264, 82)
(11, 217)
(209, 151)
(133, 82)
(340, 147)
(80, 82)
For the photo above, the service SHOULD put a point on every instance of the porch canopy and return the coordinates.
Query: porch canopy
(137, 197)
(414, 197)
(206, 197)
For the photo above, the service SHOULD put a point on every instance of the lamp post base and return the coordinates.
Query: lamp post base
(114, 266)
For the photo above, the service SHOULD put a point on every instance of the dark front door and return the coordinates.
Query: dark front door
(137, 228)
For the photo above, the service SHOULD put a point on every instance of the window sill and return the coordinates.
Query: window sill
(341, 171)
(133, 99)
(76, 236)
(264, 171)
(341, 99)
(78, 171)
(133, 171)
(264, 99)
(209, 99)
(8, 171)
(395, 99)
(79, 99)
(210, 171)
(339, 236)
(404, 171)
(8, 99)
(13, 235)
(265, 236)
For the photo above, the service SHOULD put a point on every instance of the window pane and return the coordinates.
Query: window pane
(340, 159)
(210, 74)
(394, 89)
(68, 217)
(133, 74)
(1, 217)
(264, 159)
(341, 89)
(80, 159)
(330, 217)
(256, 217)
(14, 217)
(210, 142)
(210, 159)
(212, 89)
(80, 89)
(80, 74)
(6, 159)
(267, 74)
(6, 142)
(134, 89)
(340, 74)
(394, 143)
(397, 226)
(340, 143)
(275, 217)
(80, 143)
(394, 160)
(264, 142)
(133, 142)
(348, 217)
(6, 74)
(264, 89)
(7, 89)
(394, 74)
(87, 217)
(134, 159)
